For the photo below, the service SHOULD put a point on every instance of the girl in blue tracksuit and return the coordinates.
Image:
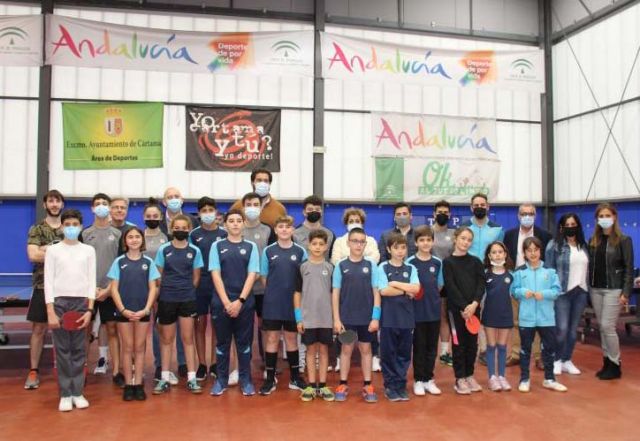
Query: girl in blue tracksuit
(536, 288)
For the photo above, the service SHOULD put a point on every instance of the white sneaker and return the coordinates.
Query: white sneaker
(418, 388)
(431, 388)
(524, 386)
(65, 405)
(375, 364)
(337, 368)
(173, 380)
(233, 378)
(101, 367)
(554, 385)
(557, 367)
(570, 368)
(80, 402)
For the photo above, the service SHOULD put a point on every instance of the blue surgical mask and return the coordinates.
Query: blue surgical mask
(262, 188)
(208, 218)
(527, 221)
(605, 222)
(101, 211)
(72, 233)
(174, 204)
(252, 213)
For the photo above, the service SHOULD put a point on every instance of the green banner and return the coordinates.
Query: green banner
(112, 136)
(389, 179)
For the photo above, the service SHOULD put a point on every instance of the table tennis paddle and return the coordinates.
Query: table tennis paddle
(70, 320)
(420, 293)
(347, 337)
(473, 324)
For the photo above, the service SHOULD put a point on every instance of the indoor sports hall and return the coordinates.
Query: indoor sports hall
(319, 219)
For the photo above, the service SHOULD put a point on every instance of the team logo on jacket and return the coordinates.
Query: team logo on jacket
(112, 237)
(489, 280)
(123, 266)
(325, 272)
(507, 280)
(189, 256)
(365, 270)
(294, 257)
(405, 274)
(145, 266)
(256, 236)
(432, 270)
(243, 251)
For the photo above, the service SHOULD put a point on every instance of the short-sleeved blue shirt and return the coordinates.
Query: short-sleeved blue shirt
(280, 266)
(178, 264)
(203, 239)
(397, 311)
(133, 278)
(427, 309)
(234, 261)
(356, 281)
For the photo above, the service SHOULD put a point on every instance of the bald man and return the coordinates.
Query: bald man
(173, 200)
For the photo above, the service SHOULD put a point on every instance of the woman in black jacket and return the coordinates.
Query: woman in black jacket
(611, 280)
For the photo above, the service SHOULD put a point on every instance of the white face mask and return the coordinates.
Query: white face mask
(262, 188)
(497, 263)
(352, 226)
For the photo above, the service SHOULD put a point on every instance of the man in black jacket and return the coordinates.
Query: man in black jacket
(513, 240)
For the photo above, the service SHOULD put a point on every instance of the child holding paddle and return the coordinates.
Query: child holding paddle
(497, 315)
(69, 292)
(536, 288)
(398, 284)
(314, 318)
(356, 309)
(464, 282)
(133, 289)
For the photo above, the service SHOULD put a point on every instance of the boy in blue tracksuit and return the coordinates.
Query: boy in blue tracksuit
(398, 284)
(536, 288)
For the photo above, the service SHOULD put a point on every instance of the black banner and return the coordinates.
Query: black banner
(232, 139)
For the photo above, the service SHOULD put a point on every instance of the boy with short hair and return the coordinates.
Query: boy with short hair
(356, 307)
(427, 310)
(398, 284)
(314, 318)
(105, 239)
(70, 285)
(203, 237)
(279, 265)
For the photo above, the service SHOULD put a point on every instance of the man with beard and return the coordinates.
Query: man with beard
(41, 237)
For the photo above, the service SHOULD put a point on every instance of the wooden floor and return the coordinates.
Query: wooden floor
(590, 410)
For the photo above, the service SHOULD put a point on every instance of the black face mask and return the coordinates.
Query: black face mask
(314, 216)
(480, 212)
(442, 219)
(152, 223)
(180, 235)
(570, 231)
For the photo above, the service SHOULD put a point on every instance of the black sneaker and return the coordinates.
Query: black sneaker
(139, 392)
(201, 373)
(267, 388)
(182, 371)
(129, 393)
(158, 374)
(297, 383)
(118, 380)
(213, 370)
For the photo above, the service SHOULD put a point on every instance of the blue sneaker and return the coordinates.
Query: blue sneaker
(392, 395)
(404, 395)
(248, 389)
(369, 394)
(341, 392)
(217, 389)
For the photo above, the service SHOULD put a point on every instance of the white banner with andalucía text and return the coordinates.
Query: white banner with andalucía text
(85, 43)
(346, 58)
(20, 40)
(422, 158)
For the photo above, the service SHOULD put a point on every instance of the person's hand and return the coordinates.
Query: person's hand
(470, 310)
(529, 294)
(338, 328)
(300, 328)
(139, 315)
(410, 295)
(234, 308)
(538, 295)
(636, 282)
(84, 320)
(54, 321)
(624, 300)
(374, 325)
(101, 294)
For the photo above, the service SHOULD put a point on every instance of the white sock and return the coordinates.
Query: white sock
(165, 375)
(444, 347)
(103, 351)
(191, 376)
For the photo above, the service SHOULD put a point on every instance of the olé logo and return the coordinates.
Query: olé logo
(113, 122)
(522, 69)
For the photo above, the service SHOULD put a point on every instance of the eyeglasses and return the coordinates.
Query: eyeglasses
(357, 242)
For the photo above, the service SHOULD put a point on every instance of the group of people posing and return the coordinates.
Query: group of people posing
(396, 299)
